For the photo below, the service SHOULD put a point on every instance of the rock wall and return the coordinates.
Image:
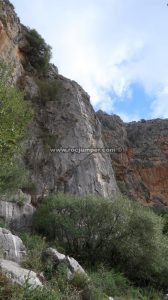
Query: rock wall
(67, 120)
(141, 168)
(10, 38)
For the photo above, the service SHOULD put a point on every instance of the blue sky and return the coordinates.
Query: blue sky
(116, 49)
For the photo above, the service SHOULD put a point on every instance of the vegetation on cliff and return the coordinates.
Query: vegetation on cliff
(38, 52)
(15, 114)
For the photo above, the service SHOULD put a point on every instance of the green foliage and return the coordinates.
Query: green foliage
(116, 284)
(13, 175)
(101, 281)
(15, 114)
(80, 281)
(110, 282)
(8, 291)
(123, 187)
(3, 224)
(86, 227)
(163, 212)
(143, 250)
(49, 90)
(38, 52)
(116, 231)
(48, 139)
(141, 294)
(35, 246)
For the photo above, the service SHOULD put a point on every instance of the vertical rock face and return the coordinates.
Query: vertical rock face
(68, 122)
(142, 167)
(10, 38)
(65, 121)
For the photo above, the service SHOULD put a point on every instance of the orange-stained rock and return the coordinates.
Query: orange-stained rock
(142, 169)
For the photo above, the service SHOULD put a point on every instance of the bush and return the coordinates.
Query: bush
(86, 227)
(141, 294)
(35, 246)
(143, 251)
(48, 90)
(9, 291)
(116, 231)
(15, 114)
(115, 284)
(110, 282)
(38, 52)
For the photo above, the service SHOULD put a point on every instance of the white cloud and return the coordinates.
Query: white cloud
(160, 104)
(106, 45)
(128, 117)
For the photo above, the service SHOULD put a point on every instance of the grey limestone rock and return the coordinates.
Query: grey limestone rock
(19, 275)
(73, 267)
(11, 246)
(16, 211)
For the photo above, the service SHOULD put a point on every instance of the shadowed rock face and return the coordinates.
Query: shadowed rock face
(141, 168)
(67, 120)
(11, 246)
(16, 211)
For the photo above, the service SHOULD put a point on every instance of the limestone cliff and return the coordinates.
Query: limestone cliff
(65, 120)
(141, 168)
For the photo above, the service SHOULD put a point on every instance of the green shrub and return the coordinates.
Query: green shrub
(110, 282)
(38, 52)
(164, 215)
(115, 284)
(40, 294)
(9, 291)
(13, 175)
(15, 115)
(48, 139)
(93, 293)
(143, 250)
(86, 227)
(116, 231)
(141, 294)
(49, 90)
(35, 246)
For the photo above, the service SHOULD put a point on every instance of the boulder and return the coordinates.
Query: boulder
(19, 275)
(11, 246)
(54, 255)
(73, 267)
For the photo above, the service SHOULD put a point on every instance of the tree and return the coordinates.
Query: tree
(38, 52)
(116, 231)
